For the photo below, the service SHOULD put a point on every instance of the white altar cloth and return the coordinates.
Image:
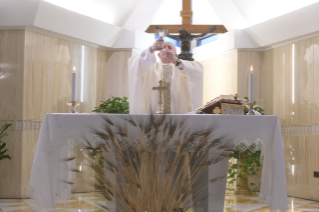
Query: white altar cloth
(59, 131)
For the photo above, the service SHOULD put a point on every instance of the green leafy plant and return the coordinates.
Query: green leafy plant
(100, 162)
(250, 162)
(3, 148)
(250, 166)
(101, 158)
(113, 105)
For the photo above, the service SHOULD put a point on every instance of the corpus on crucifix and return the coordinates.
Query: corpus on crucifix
(185, 38)
(187, 32)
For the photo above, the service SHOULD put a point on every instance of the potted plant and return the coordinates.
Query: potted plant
(3, 148)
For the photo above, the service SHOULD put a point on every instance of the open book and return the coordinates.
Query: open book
(225, 104)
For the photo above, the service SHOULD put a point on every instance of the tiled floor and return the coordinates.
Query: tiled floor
(249, 203)
(87, 202)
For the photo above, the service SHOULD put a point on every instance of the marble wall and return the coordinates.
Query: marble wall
(245, 60)
(11, 108)
(48, 65)
(286, 84)
(11, 73)
(291, 76)
(115, 77)
(229, 74)
(35, 75)
(220, 76)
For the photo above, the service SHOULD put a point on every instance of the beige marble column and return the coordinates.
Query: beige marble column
(11, 104)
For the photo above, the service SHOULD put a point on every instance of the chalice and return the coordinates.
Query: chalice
(161, 33)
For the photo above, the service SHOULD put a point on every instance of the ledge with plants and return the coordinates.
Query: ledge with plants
(243, 165)
(116, 105)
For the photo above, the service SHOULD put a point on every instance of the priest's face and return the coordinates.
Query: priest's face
(169, 47)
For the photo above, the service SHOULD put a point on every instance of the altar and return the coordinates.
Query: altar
(60, 132)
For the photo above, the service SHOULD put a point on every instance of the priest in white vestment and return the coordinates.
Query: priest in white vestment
(184, 80)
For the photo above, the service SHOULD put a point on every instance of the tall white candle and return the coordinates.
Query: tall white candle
(73, 96)
(251, 85)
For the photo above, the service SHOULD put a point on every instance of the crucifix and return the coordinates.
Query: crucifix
(160, 89)
(185, 37)
(187, 15)
(216, 110)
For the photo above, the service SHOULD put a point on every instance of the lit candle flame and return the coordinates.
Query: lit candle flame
(251, 69)
(74, 69)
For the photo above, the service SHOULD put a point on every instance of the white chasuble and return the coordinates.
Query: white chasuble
(185, 84)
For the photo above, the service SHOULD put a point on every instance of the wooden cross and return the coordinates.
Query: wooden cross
(216, 110)
(187, 15)
(160, 89)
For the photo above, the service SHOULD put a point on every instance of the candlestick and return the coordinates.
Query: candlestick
(73, 105)
(251, 86)
(251, 92)
(251, 109)
(73, 96)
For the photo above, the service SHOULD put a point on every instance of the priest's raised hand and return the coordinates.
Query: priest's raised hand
(184, 80)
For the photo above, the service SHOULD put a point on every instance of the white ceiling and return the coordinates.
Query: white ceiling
(169, 13)
(121, 23)
(257, 11)
(117, 12)
(114, 12)
(204, 13)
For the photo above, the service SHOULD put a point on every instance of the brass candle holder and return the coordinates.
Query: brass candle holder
(73, 105)
(251, 109)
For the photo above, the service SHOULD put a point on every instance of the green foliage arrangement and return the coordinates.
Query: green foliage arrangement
(250, 162)
(113, 105)
(3, 148)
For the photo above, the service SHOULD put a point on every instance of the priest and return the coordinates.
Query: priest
(183, 79)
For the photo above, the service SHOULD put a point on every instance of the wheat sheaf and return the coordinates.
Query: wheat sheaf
(155, 171)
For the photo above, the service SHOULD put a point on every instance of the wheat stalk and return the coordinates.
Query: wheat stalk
(148, 177)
